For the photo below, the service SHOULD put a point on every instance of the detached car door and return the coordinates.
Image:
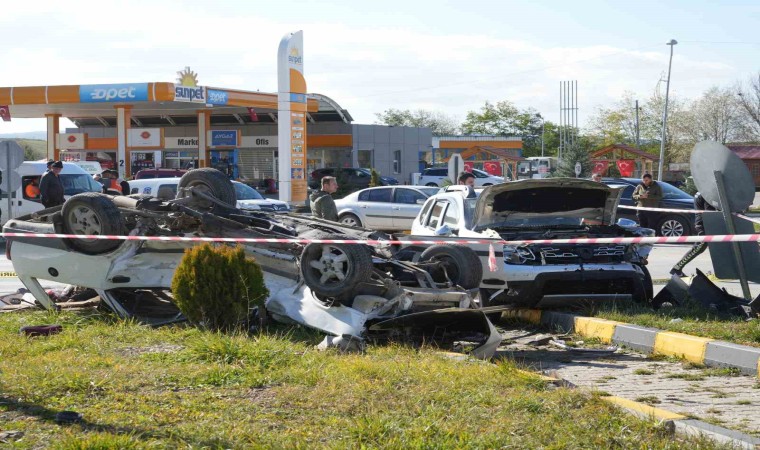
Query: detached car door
(406, 207)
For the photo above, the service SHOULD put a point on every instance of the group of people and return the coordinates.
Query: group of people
(50, 188)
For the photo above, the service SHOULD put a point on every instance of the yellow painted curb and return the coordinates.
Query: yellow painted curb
(593, 327)
(644, 409)
(529, 315)
(691, 348)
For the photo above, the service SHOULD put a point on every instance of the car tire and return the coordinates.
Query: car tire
(673, 226)
(211, 182)
(431, 185)
(92, 213)
(334, 270)
(352, 220)
(461, 264)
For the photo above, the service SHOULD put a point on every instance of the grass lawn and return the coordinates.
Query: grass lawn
(179, 387)
(695, 320)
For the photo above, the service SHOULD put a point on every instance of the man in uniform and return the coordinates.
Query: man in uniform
(647, 195)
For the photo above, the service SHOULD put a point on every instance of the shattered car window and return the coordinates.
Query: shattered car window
(245, 192)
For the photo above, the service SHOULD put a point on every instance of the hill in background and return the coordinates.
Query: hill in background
(34, 149)
(37, 135)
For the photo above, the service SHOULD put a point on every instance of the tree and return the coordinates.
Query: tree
(505, 119)
(749, 101)
(716, 116)
(440, 124)
(575, 154)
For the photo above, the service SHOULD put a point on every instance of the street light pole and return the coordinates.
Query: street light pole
(543, 130)
(672, 44)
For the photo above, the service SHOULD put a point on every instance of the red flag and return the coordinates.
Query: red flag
(468, 167)
(252, 114)
(493, 168)
(5, 113)
(600, 167)
(626, 166)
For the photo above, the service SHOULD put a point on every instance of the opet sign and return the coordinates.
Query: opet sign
(108, 93)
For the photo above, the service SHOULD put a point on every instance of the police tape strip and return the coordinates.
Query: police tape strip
(685, 211)
(374, 242)
(646, 208)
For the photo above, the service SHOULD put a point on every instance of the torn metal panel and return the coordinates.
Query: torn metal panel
(712, 297)
(676, 292)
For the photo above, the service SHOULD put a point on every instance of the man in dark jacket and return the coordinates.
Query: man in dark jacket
(51, 187)
(322, 203)
(698, 248)
(647, 195)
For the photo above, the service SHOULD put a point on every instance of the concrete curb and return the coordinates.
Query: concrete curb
(698, 350)
(677, 423)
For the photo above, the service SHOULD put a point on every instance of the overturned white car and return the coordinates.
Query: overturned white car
(132, 277)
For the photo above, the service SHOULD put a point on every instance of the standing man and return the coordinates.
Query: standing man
(699, 247)
(322, 203)
(51, 187)
(647, 195)
(467, 179)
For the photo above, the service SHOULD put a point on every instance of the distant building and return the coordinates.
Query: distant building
(750, 154)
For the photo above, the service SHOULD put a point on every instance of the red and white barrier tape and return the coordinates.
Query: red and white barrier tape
(646, 208)
(373, 242)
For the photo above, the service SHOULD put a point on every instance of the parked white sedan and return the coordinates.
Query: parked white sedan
(383, 208)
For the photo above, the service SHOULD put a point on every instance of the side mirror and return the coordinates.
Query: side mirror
(420, 201)
(444, 230)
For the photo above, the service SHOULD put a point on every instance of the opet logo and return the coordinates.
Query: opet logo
(113, 93)
(295, 56)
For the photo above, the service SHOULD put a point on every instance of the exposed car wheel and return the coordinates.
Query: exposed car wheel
(334, 270)
(672, 226)
(92, 213)
(351, 220)
(211, 182)
(460, 264)
(431, 185)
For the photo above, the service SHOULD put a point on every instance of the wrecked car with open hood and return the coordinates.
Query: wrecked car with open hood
(544, 275)
(324, 276)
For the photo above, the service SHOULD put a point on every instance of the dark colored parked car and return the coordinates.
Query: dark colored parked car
(159, 173)
(356, 178)
(668, 223)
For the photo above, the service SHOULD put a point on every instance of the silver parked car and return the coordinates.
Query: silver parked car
(384, 207)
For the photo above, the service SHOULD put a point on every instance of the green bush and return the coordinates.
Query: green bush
(374, 179)
(689, 187)
(218, 287)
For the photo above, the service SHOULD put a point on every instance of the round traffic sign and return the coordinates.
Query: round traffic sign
(709, 157)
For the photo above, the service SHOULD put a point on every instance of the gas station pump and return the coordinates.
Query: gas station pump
(226, 161)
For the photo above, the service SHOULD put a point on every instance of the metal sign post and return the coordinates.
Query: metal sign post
(728, 217)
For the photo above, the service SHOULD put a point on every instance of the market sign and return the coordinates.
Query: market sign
(181, 142)
(145, 138)
(187, 89)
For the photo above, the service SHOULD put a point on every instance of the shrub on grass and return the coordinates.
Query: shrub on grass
(218, 287)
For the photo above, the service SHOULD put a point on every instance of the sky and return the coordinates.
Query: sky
(447, 56)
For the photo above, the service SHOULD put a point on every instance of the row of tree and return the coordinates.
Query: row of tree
(723, 114)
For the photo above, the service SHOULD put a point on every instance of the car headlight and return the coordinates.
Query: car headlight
(517, 254)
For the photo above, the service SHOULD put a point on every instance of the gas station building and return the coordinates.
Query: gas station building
(131, 126)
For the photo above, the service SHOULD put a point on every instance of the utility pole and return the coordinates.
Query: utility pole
(672, 44)
(638, 143)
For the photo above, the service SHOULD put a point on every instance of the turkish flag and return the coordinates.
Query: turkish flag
(252, 114)
(600, 167)
(493, 168)
(468, 167)
(5, 113)
(626, 166)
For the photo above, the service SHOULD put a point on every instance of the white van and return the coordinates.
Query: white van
(75, 181)
(247, 197)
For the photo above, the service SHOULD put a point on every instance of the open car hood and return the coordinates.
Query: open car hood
(548, 199)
